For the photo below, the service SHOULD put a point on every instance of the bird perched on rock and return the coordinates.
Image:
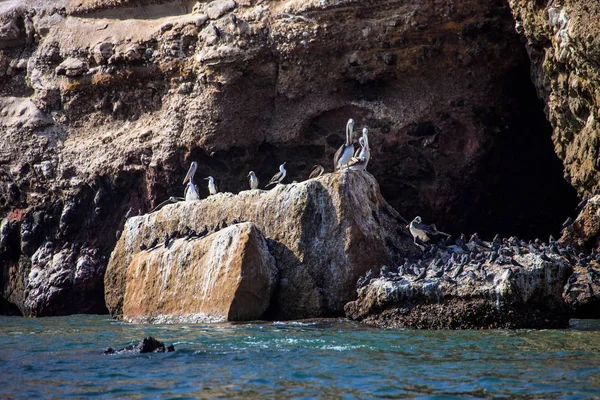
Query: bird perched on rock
(212, 188)
(361, 159)
(316, 172)
(253, 180)
(278, 177)
(153, 243)
(344, 154)
(190, 193)
(422, 231)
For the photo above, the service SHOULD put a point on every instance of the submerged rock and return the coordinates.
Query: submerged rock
(229, 275)
(148, 345)
(323, 234)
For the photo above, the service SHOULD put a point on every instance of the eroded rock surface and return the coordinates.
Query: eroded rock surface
(226, 276)
(563, 40)
(323, 233)
(474, 285)
(584, 231)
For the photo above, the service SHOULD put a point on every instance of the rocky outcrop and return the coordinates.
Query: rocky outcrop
(323, 233)
(227, 276)
(104, 103)
(148, 345)
(584, 232)
(477, 285)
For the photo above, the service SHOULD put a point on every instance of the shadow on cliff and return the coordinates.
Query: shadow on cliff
(520, 188)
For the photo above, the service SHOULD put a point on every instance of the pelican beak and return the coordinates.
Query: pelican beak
(205, 179)
(188, 176)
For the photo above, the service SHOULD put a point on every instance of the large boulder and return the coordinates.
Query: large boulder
(323, 233)
(227, 276)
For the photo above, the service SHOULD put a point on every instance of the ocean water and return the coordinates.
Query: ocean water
(61, 357)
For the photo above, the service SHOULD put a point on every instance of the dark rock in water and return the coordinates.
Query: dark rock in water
(148, 345)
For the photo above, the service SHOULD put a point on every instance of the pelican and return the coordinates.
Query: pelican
(190, 192)
(361, 158)
(253, 180)
(345, 152)
(421, 232)
(212, 188)
(316, 172)
(278, 177)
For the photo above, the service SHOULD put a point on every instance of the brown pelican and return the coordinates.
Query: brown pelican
(253, 180)
(421, 232)
(346, 150)
(316, 172)
(212, 188)
(190, 192)
(361, 158)
(278, 177)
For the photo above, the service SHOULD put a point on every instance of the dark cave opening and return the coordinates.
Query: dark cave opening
(519, 188)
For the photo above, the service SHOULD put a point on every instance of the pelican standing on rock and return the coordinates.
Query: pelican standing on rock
(190, 192)
(278, 177)
(361, 159)
(346, 150)
(253, 180)
(422, 232)
(212, 188)
(316, 172)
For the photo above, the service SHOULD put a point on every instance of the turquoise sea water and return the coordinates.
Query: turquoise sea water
(62, 357)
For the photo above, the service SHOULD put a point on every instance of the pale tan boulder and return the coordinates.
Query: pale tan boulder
(226, 276)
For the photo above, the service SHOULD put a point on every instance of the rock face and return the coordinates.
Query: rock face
(465, 287)
(584, 232)
(101, 114)
(227, 276)
(563, 40)
(323, 233)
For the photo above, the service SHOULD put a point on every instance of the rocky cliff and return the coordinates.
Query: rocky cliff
(563, 41)
(104, 103)
(323, 234)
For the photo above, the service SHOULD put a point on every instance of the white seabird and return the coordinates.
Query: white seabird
(253, 180)
(212, 188)
(278, 177)
(361, 159)
(423, 231)
(346, 150)
(190, 193)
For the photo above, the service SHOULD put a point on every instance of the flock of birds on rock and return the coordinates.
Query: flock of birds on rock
(187, 234)
(345, 158)
(451, 260)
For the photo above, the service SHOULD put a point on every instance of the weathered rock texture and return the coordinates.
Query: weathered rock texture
(563, 41)
(227, 276)
(104, 103)
(324, 234)
(584, 232)
(489, 295)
